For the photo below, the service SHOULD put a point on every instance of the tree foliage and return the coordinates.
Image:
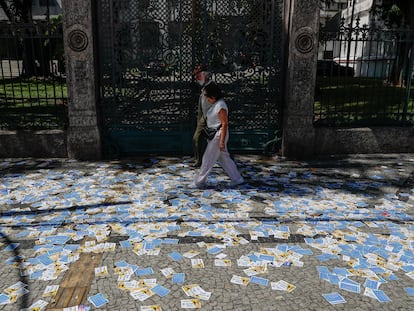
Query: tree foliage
(37, 44)
(396, 11)
(17, 10)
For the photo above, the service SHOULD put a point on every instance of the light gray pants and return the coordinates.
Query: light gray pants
(213, 154)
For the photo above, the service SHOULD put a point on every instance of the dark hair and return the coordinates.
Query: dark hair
(213, 90)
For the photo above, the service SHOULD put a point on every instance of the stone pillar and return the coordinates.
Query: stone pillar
(83, 140)
(298, 130)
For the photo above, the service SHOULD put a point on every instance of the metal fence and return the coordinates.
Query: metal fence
(364, 75)
(33, 91)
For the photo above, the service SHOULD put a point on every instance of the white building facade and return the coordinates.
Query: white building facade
(366, 51)
(358, 40)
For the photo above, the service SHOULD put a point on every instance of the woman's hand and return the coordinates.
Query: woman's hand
(222, 146)
(224, 126)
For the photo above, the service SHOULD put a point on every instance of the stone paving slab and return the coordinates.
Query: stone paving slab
(353, 212)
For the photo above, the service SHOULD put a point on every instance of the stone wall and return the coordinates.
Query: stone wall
(37, 144)
(326, 141)
(363, 140)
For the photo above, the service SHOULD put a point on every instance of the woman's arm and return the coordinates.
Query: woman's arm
(224, 127)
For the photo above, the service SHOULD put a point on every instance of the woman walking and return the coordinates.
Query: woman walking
(216, 150)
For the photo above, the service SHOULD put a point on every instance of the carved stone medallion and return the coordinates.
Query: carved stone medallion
(78, 40)
(304, 42)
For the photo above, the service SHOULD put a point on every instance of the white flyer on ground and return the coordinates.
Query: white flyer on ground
(141, 294)
(197, 263)
(151, 308)
(240, 280)
(50, 290)
(38, 305)
(191, 254)
(167, 272)
(282, 285)
(222, 262)
(101, 271)
(190, 304)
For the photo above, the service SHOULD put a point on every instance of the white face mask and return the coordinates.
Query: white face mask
(201, 78)
(200, 82)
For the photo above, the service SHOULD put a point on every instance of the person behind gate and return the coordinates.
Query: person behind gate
(216, 150)
(202, 77)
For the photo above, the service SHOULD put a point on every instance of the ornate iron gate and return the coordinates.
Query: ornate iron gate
(148, 49)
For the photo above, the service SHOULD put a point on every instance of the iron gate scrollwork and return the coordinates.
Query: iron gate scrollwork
(147, 50)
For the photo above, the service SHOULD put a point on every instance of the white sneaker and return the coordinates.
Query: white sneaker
(193, 185)
(236, 182)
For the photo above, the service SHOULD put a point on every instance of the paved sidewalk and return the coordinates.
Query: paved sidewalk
(332, 234)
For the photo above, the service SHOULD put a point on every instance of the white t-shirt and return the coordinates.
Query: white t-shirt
(213, 119)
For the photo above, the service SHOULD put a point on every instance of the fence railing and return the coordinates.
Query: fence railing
(33, 90)
(364, 76)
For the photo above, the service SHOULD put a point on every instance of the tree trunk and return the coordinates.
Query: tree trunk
(36, 55)
(400, 69)
(407, 8)
(6, 10)
(396, 76)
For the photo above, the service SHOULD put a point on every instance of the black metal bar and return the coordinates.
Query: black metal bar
(350, 35)
(24, 108)
(409, 74)
(342, 38)
(11, 75)
(4, 82)
(47, 12)
(355, 42)
(19, 78)
(113, 63)
(371, 99)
